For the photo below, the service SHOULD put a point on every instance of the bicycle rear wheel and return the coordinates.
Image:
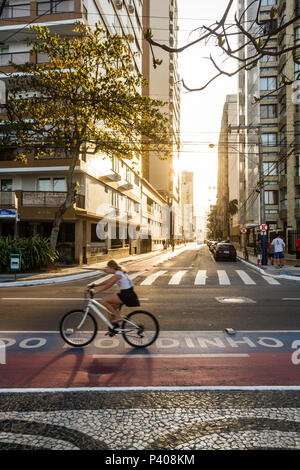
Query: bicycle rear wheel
(141, 329)
(74, 331)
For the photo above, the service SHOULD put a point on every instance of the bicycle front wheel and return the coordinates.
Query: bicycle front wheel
(75, 331)
(141, 329)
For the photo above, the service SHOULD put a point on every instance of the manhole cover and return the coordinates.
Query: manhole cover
(235, 300)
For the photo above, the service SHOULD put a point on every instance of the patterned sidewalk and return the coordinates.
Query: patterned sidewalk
(144, 420)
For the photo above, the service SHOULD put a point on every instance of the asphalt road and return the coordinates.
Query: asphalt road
(179, 306)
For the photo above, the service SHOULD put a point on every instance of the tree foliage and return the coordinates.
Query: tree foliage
(86, 97)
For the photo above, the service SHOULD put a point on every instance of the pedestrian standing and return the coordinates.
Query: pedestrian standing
(298, 252)
(278, 246)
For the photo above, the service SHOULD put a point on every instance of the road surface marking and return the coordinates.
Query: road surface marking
(150, 279)
(223, 278)
(139, 273)
(164, 356)
(235, 300)
(200, 279)
(176, 278)
(245, 278)
(290, 298)
(271, 280)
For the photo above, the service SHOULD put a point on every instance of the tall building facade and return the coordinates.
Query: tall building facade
(278, 116)
(228, 169)
(163, 173)
(35, 191)
(187, 204)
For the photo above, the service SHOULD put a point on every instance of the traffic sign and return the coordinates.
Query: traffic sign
(7, 213)
(263, 227)
(243, 230)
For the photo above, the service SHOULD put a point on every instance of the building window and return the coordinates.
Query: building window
(269, 58)
(271, 197)
(6, 185)
(55, 184)
(297, 7)
(52, 7)
(268, 83)
(282, 136)
(266, 3)
(297, 165)
(16, 11)
(297, 132)
(270, 168)
(269, 140)
(268, 111)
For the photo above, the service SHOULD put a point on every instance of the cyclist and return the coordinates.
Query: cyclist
(127, 295)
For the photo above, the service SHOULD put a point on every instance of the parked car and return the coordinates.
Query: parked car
(225, 251)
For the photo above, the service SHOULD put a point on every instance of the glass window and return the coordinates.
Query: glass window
(297, 165)
(269, 140)
(269, 58)
(268, 83)
(6, 185)
(270, 168)
(297, 132)
(59, 184)
(271, 197)
(44, 184)
(266, 3)
(268, 111)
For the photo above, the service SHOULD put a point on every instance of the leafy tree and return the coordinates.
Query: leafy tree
(86, 97)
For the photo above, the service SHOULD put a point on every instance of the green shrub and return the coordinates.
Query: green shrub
(35, 253)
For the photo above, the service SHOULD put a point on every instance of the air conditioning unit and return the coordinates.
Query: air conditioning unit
(118, 4)
(130, 6)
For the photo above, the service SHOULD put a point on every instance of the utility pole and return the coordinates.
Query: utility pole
(261, 212)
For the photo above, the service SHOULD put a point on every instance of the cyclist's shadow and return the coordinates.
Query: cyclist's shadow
(121, 371)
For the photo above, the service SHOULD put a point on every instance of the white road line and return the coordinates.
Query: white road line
(176, 278)
(201, 277)
(245, 277)
(271, 280)
(290, 298)
(223, 278)
(150, 279)
(163, 356)
(139, 273)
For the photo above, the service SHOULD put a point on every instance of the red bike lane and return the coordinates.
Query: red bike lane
(178, 359)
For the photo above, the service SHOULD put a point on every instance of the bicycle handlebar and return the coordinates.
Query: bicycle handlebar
(88, 291)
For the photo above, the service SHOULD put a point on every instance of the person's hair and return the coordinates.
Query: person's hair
(113, 264)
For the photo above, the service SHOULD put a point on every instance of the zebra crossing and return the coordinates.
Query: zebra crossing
(200, 278)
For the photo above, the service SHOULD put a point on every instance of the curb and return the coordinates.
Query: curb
(75, 277)
(261, 271)
(49, 280)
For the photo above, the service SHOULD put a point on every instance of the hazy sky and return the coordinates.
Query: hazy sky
(201, 112)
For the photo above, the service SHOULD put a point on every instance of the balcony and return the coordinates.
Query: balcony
(15, 58)
(49, 199)
(8, 200)
(60, 16)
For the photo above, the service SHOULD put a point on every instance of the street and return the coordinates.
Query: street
(192, 354)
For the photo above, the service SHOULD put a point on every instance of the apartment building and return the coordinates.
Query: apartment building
(278, 116)
(228, 169)
(164, 174)
(107, 188)
(187, 204)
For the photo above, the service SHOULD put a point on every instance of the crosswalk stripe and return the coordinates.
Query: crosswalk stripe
(245, 278)
(150, 279)
(271, 280)
(134, 275)
(200, 279)
(223, 278)
(176, 278)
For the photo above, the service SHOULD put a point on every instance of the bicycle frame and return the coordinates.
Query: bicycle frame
(93, 304)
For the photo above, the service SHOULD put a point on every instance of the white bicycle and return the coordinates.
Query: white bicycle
(79, 327)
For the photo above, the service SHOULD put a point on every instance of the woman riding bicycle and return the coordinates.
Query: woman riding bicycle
(127, 295)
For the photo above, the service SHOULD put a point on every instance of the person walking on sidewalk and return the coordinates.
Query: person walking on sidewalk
(298, 253)
(278, 245)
